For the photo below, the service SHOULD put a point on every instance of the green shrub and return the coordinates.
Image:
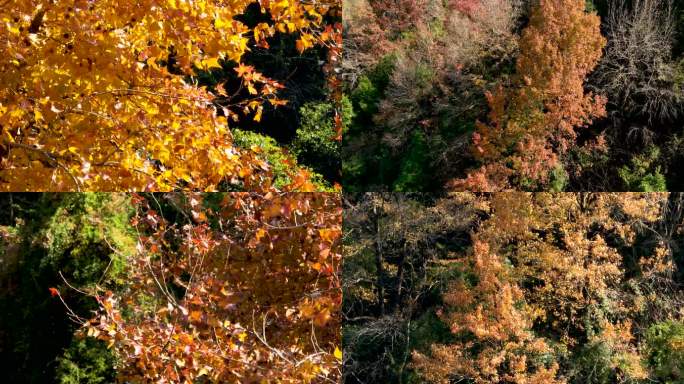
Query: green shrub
(86, 361)
(665, 351)
(282, 164)
(315, 142)
(558, 180)
(414, 167)
(592, 363)
(590, 6)
(366, 97)
(348, 113)
(642, 174)
(81, 226)
(381, 73)
(353, 168)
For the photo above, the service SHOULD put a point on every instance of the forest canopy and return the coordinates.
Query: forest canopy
(172, 207)
(513, 288)
(493, 95)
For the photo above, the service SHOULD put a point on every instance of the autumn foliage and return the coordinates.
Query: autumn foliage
(503, 339)
(533, 124)
(548, 269)
(243, 289)
(95, 94)
(514, 288)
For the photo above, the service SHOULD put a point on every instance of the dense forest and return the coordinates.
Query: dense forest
(536, 95)
(165, 95)
(513, 288)
(169, 288)
(342, 191)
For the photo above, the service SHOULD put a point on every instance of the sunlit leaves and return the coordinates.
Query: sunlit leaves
(95, 94)
(232, 294)
(550, 276)
(53, 292)
(534, 124)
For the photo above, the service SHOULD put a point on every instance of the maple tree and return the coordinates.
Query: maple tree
(244, 288)
(534, 124)
(96, 95)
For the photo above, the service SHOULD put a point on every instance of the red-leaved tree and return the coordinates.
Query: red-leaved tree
(534, 123)
(244, 290)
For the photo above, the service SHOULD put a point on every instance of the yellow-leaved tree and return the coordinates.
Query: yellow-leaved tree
(545, 288)
(95, 95)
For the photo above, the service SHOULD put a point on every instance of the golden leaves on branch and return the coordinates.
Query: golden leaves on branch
(95, 95)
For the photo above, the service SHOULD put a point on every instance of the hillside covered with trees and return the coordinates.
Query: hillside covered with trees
(490, 95)
(544, 288)
(170, 288)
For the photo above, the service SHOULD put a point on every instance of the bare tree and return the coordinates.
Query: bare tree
(441, 63)
(637, 72)
(364, 41)
(396, 246)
